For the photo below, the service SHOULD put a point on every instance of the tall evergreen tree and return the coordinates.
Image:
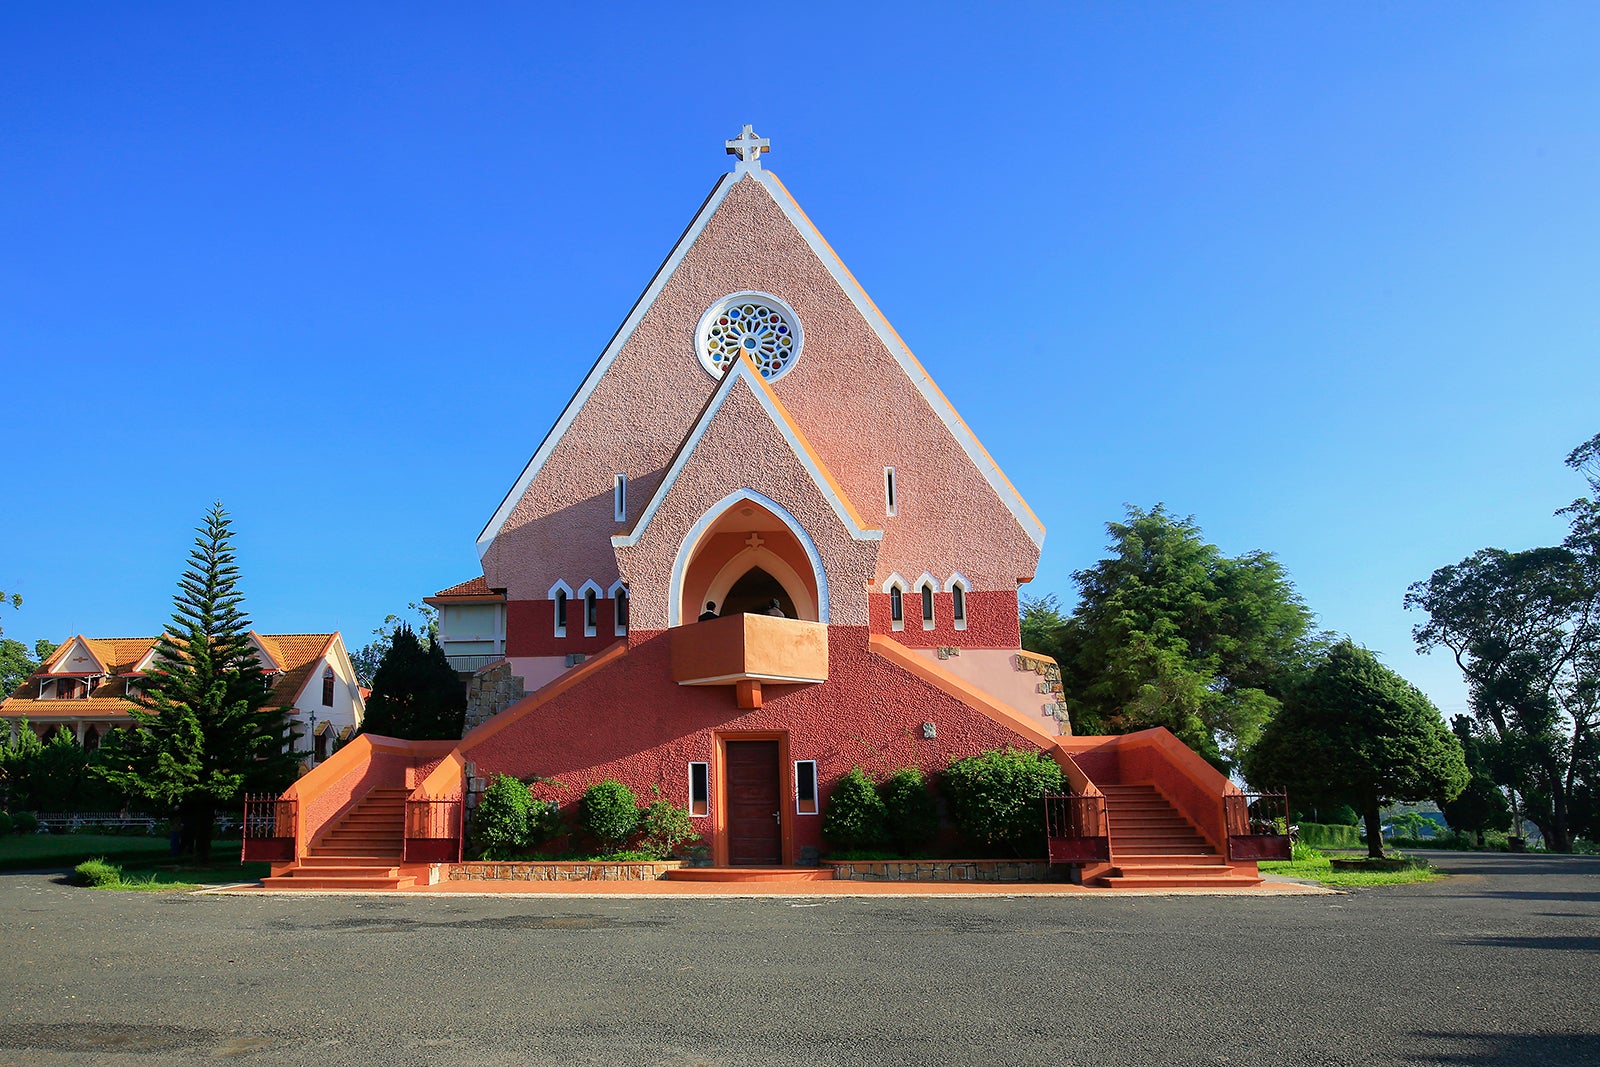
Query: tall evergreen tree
(204, 732)
(416, 694)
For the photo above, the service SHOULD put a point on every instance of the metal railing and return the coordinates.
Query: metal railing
(268, 828)
(1077, 829)
(433, 830)
(473, 663)
(1258, 826)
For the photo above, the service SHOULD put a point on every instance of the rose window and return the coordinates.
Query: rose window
(752, 326)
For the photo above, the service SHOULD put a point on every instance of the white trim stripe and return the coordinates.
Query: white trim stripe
(624, 333)
(891, 340)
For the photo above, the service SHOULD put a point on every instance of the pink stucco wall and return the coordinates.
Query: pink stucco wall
(846, 392)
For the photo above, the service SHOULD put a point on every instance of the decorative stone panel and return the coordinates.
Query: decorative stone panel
(491, 691)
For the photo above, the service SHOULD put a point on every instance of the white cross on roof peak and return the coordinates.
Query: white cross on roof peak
(748, 147)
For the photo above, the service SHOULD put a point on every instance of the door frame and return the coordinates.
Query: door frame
(719, 810)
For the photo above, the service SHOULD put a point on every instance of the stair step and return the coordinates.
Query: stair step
(1131, 865)
(320, 882)
(1220, 881)
(352, 860)
(1182, 855)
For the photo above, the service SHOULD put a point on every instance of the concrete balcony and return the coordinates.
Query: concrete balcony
(746, 650)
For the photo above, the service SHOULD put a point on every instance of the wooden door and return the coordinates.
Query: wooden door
(753, 812)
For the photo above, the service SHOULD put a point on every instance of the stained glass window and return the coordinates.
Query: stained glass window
(750, 326)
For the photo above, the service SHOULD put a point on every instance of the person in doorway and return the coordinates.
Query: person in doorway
(710, 612)
(775, 608)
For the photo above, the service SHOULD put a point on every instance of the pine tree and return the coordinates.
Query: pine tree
(204, 733)
(416, 694)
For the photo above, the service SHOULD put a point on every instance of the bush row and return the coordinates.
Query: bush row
(510, 822)
(1329, 835)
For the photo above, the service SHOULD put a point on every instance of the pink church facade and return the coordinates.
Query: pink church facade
(755, 434)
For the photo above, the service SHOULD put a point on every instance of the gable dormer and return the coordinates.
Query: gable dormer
(72, 672)
(271, 663)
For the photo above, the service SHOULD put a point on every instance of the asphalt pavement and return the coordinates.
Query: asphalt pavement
(1495, 965)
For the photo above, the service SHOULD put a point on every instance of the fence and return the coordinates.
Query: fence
(1258, 826)
(268, 827)
(1076, 829)
(433, 830)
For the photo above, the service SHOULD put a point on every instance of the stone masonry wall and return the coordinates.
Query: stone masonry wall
(491, 691)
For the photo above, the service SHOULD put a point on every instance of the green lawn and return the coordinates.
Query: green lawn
(143, 856)
(1314, 867)
(172, 876)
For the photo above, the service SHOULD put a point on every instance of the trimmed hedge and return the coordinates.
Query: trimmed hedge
(1329, 835)
(855, 818)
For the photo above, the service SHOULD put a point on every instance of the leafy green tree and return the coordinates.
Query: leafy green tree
(994, 798)
(1482, 805)
(204, 731)
(1042, 624)
(367, 659)
(17, 666)
(1524, 628)
(1170, 632)
(1354, 732)
(416, 694)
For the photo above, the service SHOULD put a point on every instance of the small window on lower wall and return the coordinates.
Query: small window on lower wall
(699, 789)
(805, 787)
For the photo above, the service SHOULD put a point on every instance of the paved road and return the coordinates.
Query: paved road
(1495, 965)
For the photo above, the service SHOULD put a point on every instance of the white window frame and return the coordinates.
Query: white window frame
(619, 622)
(893, 582)
(816, 789)
(707, 813)
(891, 499)
(959, 588)
(927, 596)
(555, 613)
(619, 498)
(591, 593)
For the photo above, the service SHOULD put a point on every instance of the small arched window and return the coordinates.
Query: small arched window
(327, 687)
(927, 605)
(619, 609)
(897, 607)
(958, 605)
(561, 612)
(591, 613)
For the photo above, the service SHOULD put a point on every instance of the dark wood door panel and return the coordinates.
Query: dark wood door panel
(754, 837)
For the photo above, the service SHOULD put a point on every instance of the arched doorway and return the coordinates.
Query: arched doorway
(746, 550)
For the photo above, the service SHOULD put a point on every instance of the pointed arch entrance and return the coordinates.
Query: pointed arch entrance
(745, 551)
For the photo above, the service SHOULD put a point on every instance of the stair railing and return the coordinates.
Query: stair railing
(1076, 828)
(1258, 826)
(433, 830)
(268, 826)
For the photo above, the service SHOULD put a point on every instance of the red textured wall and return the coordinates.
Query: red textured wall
(992, 620)
(531, 628)
(633, 723)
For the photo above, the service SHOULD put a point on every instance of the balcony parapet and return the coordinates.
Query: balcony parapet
(746, 650)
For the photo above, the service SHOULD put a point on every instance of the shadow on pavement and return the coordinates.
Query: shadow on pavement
(1511, 1050)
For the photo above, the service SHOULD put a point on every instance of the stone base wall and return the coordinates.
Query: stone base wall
(491, 691)
(528, 871)
(939, 870)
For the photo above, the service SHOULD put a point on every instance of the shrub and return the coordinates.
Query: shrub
(25, 822)
(1329, 835)
(911, 816)
(610, 813)
(994, 798)
(5, 824)
(664, 827)
(96, 872)
(501, 825)
(1300, 852)
(856, 817)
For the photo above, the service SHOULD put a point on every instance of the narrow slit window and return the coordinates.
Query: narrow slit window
(890, 502)
(805, 787)
(591, 613)
(619, 498)
(699, 789)
(927, 606)
(619, 607)
(561, 613)
(897, 607)
(327, 687)
(958, 606)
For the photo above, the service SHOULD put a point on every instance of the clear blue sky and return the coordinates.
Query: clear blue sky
(1322, 276)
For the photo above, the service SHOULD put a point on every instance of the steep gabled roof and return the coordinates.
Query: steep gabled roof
(886, 334)
(744, 371)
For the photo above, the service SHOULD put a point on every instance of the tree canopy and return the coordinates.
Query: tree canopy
(203, 732)
(1524, 628)
(366, 659)
(1170, 632)
(17, 664)
(1354, 732)
(416, 694)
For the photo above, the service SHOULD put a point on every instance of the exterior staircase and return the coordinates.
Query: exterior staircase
(363, 850)
(1154, 847)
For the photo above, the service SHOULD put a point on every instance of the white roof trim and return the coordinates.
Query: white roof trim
(691, 541)
(60, 657)
(615, 586)
(560, 586)
(743, 370)
(927, 579)
(894, 580)
(624, 333)
(591, 586)
(957, 579)
(880, 325)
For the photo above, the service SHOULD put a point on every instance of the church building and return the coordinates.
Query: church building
(758, 548)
